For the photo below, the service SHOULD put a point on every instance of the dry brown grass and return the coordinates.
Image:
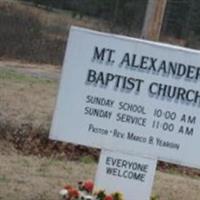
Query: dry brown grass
(25, 99)
(33, 178)
(28, 94)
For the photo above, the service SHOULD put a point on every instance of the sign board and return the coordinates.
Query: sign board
(130, 95)
(127, 173)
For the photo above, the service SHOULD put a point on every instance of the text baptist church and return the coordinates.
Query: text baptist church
(149, 65)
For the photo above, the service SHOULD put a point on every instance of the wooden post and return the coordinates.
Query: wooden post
(153, 19)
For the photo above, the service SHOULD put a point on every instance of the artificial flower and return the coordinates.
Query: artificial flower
(108, 197)
(85, 192)
(88, 186)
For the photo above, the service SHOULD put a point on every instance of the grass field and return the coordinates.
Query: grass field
(31, 166)
(34, 178)
(28, 96)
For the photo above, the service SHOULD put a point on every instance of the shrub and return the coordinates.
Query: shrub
(21, 36)
(20, 29)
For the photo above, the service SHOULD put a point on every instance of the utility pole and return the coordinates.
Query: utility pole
(153, 19)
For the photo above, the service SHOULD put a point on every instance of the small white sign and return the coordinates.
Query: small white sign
(130, 175)
(130, 95)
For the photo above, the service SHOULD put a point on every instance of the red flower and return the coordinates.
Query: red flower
(88, 186)
(73, 193)
(108, 197)
(67, 187)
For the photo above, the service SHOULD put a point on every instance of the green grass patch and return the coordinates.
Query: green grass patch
(3, 179)
(87, 159)
(9, 74)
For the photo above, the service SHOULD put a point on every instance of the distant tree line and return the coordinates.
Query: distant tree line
(182, 17)
(129, 13)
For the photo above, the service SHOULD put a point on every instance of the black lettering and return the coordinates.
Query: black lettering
(152, 66)
(126, 60)
(99, 54)
(143, 63)
(91, 77)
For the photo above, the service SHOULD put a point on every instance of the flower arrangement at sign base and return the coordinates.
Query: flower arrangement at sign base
(85, 192)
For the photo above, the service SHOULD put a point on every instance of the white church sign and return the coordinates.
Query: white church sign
(131, 96)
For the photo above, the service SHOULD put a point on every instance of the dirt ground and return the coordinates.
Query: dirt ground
(27, 95)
